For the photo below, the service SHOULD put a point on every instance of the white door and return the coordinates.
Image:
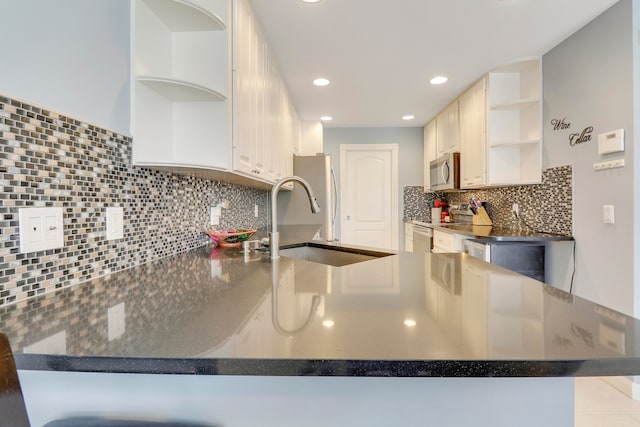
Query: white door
(369, 195)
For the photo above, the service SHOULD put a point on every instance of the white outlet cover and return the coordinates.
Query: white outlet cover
(40, 229)
(115, 223)
(116, 321)
(609, 214)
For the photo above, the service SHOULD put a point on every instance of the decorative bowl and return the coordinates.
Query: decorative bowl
(230, 237)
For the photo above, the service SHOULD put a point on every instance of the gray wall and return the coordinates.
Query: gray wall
(410, 156)
(76, 64)
(636, 153)
(588, 81)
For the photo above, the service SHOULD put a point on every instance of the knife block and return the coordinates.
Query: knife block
(482, 217)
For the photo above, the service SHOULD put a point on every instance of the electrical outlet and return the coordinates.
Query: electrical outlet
(516, 210)
(256, 211)
(40, 229)
(115, 223)
(216, 212)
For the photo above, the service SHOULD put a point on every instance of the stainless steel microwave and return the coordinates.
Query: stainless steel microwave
(445, 172)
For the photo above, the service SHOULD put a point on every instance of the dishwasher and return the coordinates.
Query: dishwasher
(526, 258)
(422, 238)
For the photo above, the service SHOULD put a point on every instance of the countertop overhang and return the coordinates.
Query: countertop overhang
(214, 311)
(489, 233)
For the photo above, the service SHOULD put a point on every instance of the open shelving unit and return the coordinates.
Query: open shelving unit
(181, 109)
(514, 124)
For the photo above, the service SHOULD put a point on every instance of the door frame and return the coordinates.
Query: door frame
(393, 149)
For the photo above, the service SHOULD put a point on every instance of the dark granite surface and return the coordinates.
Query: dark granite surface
(490, 233)
(216, 311)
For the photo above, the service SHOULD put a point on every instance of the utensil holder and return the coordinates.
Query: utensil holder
(436, 214)
(482, 217)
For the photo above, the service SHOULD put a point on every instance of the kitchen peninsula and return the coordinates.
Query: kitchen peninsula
(218, 336)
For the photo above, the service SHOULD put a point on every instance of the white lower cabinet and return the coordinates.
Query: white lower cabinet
(445, 242)
(408, 237)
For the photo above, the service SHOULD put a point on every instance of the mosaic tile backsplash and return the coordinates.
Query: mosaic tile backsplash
(49, 160)
(546, 207)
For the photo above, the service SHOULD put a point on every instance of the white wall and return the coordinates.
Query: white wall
(588, 81)
(636, 153)
(310, 138)
(409, 156)
(69, 56)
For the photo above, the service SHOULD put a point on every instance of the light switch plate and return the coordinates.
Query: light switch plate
(115, 223)
(609, 214)
(40, 229)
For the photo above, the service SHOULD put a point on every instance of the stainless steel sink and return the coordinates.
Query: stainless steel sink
(330, 255)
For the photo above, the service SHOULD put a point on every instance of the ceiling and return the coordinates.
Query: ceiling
(380, 54)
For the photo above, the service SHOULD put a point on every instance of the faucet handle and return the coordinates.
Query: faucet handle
(247, 245)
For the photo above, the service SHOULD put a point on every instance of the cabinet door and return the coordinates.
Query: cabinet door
(472, 107)
(447, 130)
(244, 108)
(408, 237)
(429, 152)
(265, 124)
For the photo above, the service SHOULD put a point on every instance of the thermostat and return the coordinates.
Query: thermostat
(611, 142)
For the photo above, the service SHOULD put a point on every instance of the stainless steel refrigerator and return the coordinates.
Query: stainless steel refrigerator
(293, 206)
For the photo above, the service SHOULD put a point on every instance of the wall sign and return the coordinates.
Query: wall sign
(576, 137)
(581, 138)
(560, 124)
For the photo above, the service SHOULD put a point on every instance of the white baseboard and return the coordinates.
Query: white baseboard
(625, 385)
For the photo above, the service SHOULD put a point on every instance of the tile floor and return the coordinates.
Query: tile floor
(598, 404)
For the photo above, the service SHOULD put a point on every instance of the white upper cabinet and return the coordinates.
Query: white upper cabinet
(180, 83)
(429, 152)
(472, 106)
(515, 124)
(496, 125)
(447, 130)
(264, 120)
(207, 96)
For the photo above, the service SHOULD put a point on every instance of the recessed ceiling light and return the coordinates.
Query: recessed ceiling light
(321, 82)
(326, 118)
(328, 323)
(410, 323)
(408, 117)
(310, 1)
(438, 80)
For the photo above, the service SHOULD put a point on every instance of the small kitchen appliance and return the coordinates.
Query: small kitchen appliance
(445, 172)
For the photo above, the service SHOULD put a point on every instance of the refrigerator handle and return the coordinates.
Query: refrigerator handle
(334, 196)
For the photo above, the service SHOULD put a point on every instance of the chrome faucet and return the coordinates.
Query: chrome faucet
(274, 236)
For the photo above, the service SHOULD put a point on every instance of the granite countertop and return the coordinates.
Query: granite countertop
(218, 311)
(498, 234)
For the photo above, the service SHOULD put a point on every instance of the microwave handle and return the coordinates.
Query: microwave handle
(445, 172)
